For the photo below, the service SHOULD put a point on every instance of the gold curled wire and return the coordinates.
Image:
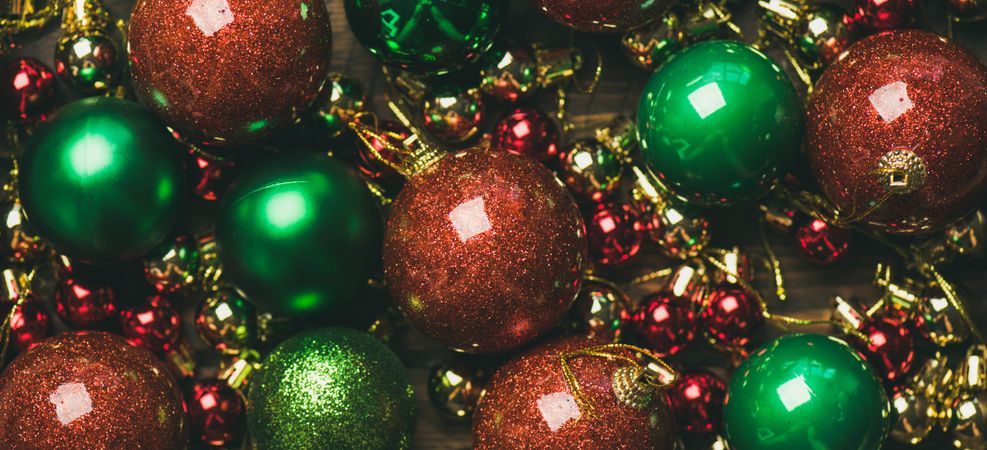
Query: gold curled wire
(608, 351)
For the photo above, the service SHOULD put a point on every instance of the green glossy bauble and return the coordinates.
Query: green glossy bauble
(426, 36)
(719, 122)
(331, 388)
(806, 391)
(299, 234)
(101, 180)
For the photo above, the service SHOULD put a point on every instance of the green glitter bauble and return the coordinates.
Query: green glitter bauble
(332, 388)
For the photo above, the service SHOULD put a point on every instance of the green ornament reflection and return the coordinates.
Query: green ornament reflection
(426, 36)
(299, 234)
(719, 122)
(806, 391)
(331, 388)
(102, 180)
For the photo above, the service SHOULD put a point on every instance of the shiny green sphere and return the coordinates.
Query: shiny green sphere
(331, 388)
(102, 180)
(426, 36)
(719, 122)
(806, 391)
(299, 234)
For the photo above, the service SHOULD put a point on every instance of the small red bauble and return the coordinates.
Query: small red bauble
(697, 401)
(819, 240)
(216, 413)
(373, 163)
(732, 315)
(484, 250)
(27, 89)
(527, 132)
(152, 323)
(665, 322)
(902, 112)
(210, 174)
(28, 325)
(84, 304)
(890, 348)
(89, 390)
(873, 16)
(603, 16)
(614, 232)
(530, 405)
(224, 71)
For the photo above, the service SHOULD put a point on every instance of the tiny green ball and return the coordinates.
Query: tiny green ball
(102, 180)
(331, 388)
(806, 391)
(719, 123)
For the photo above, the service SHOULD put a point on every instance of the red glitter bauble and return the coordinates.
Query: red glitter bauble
(530, 405)
(224, 71)
(527, 132)
(216, 413)
(484, 250)
(873, 16)
(27, 89)
(152, 323)
(603, 16)
(89, 390)
(697, 401)
(821, 241)
(665, 322)
(890, 348)
(84, 304)
(732, 315)
(614, 232)
(28, 325)
(901, 99)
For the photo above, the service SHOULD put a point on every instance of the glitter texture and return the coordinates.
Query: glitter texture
(229, 70)
(903, 90)
(529, 405)
(483, 250)
(603, 15)
(331, 388)
(90, 390)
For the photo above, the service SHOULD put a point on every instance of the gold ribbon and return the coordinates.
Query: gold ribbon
(611, 352)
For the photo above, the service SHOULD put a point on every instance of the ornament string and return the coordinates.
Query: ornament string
(29, 18)
(654, 275)
(21, 287)
(773, 263)
(412, 161)
(615, 352)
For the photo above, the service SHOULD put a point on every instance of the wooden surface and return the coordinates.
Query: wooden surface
(810, 286)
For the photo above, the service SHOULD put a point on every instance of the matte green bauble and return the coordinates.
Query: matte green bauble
(719, 122)
(426, 36)
(299, 234)
(806, 391)
(102, 180)
(331, 388)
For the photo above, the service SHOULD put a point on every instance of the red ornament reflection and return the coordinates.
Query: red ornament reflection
(890, 348)
(697, 402)
(732, 315)
(821, 241)
(153, 323)
(527, 132)
(210, 174)
(614, 232)
(83, 304)
(27, 89)
(28, 325)
(216, 413)
(665, 322)
(874, 16)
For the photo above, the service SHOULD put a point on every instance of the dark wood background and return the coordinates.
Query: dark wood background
(810, 285)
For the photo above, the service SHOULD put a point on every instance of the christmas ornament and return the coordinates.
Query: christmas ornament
(602, 17)
(152, 323)
(874, 16)
(731, 315)
(590, 170)
(27, 90)
(966, 10)
(574, 393)
(679, 230)
(938, 320)
(650, 46)
(697, 401)
(814, 34)
(89, 390)
(805, 390)
(209, 174)
(452, 112)
(342, 98)
(455, 388)
(914, 415)
(968, 410)
(84, 303)
(887, 143)
(434, 37)
(484, 250)
(275, 58)
(527, 131)
(601, 311)
(821, 241)
(227, 321)
(757, 121)
(216, 413)
(86, 57)
(614, 233)
(513, 71)
(21, 243)
(101, 180)
(29, 324)
(287, 252)
(890, 347)
(331, 388)
(665, 320)
(374, 158)
(173, 265)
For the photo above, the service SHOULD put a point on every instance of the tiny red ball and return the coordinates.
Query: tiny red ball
(27, 89)
(211, 175)
(84, 304)
(375, 156)
(152, 323)
(874, 16)
(603, 16)
(527, 132)
(216, 413)
(890, 348)
(732, 315)
(614, 232)
(665, 322)
(821, 241)
(697, 402)
(28, 325)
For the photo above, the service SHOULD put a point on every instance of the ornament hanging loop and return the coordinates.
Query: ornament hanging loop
(633, 384)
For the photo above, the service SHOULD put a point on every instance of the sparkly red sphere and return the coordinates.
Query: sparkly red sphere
(603, 16)
(527, 132)
(665, 322)
(903, 112)
(152, 323)
(874, 16)
(614, 232)
(697, 401)
(819, 240)
(28, 325)
(732, 315)
(890, 348)
(224, 71)
(89, 390)
(529, 405)
(27, 89)
(484, 250)
(84, 304)
(216, 413)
